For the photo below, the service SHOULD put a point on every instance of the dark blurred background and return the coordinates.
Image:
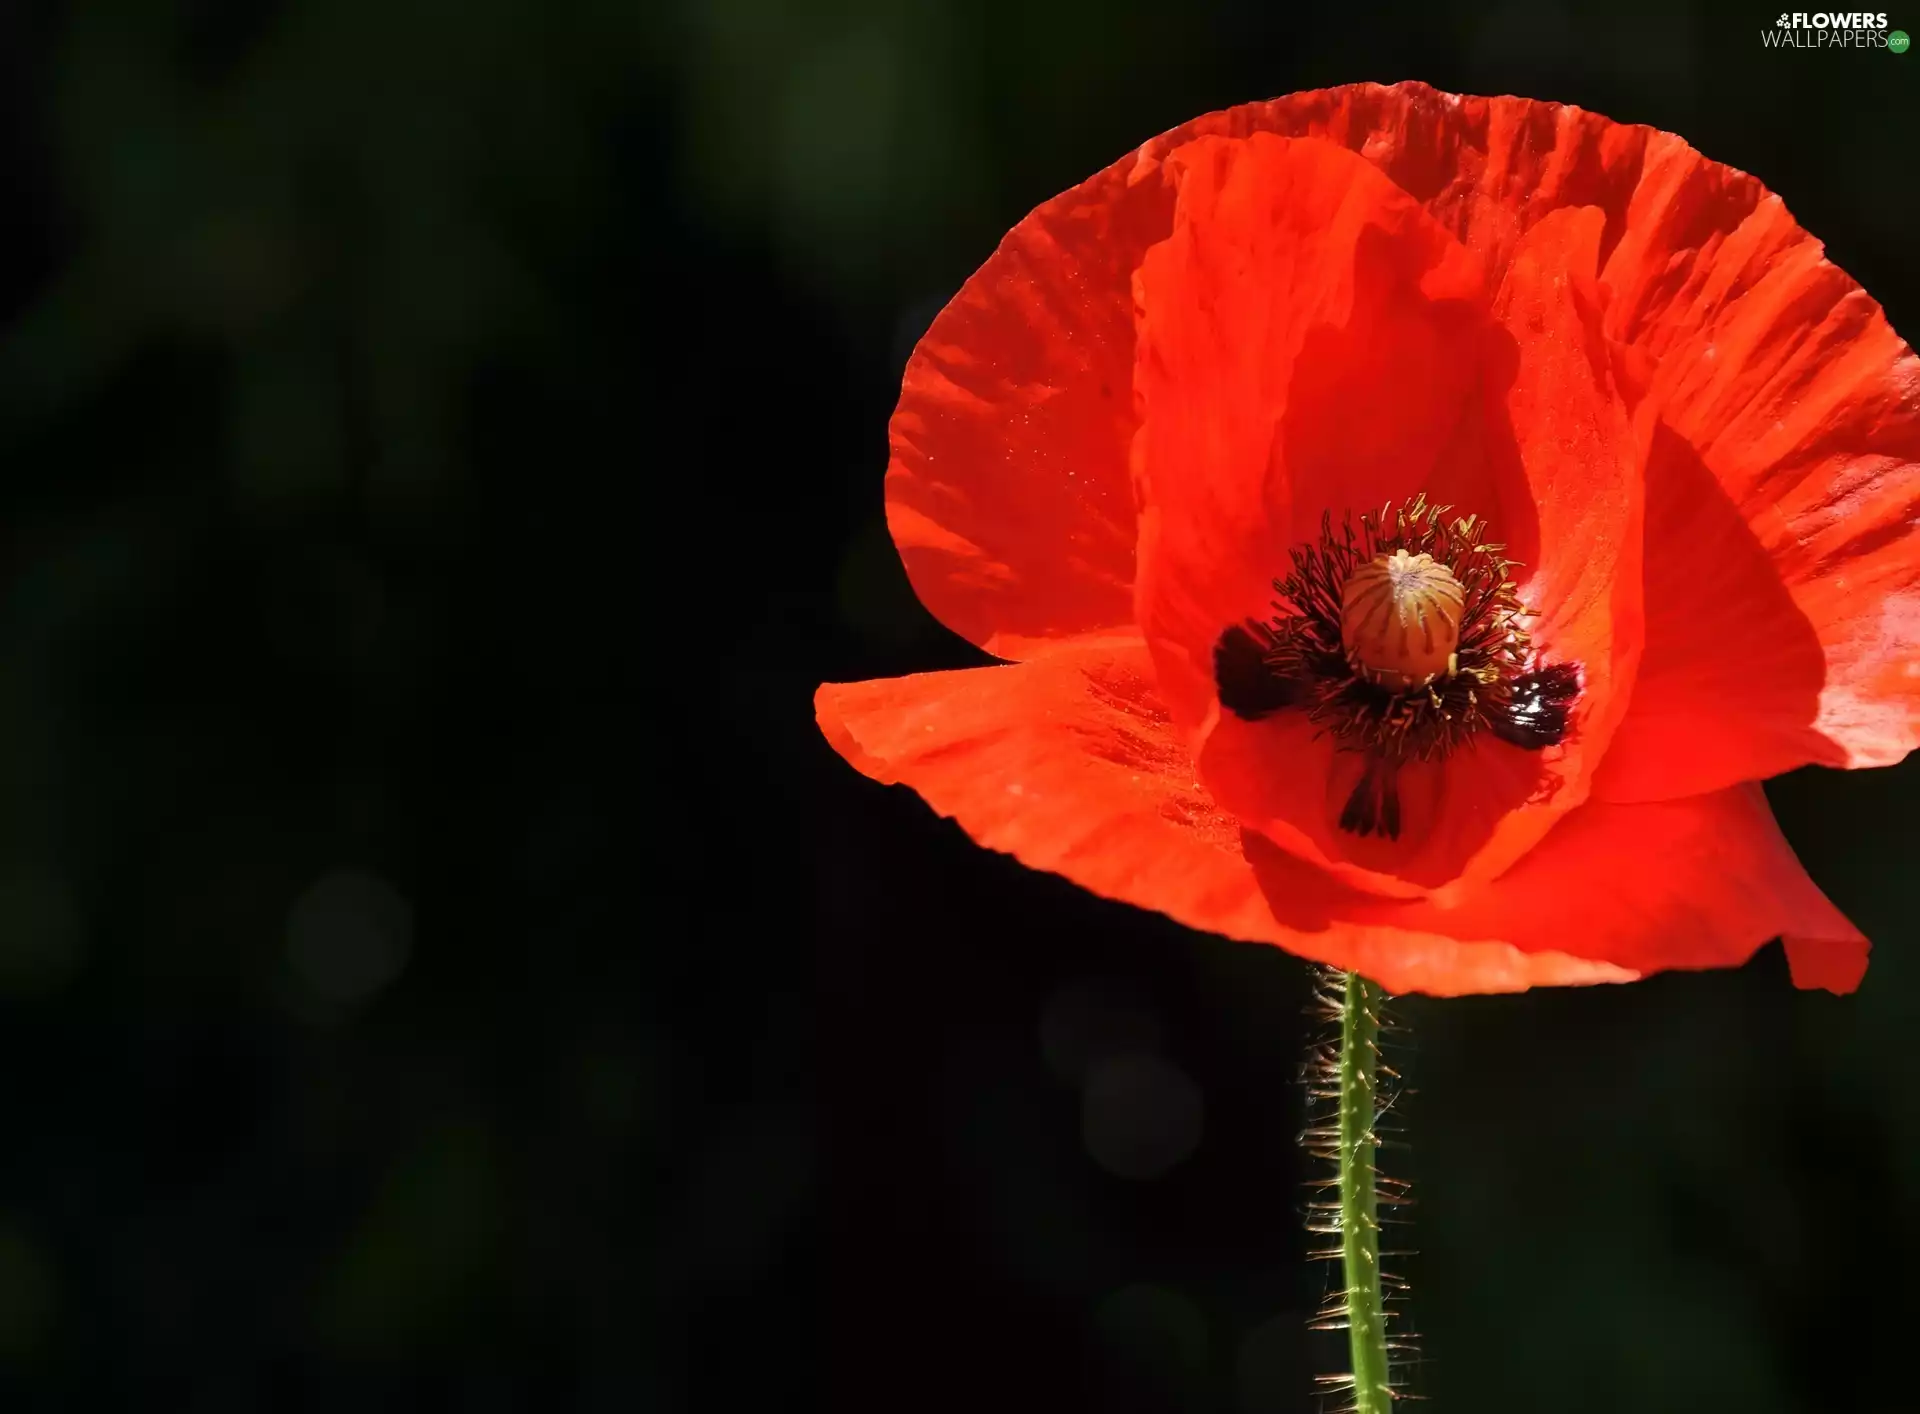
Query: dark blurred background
(442, 968)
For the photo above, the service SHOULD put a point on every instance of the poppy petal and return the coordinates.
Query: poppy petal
(1302, 302)
(1783, 529)
(1007, 489)
(1486, 169)
(1828, 964)
(1070, 764)
(1582, 461)
(1729, 686)
(1218, 346)
(1010, 440)
(1693, 883)
(1298, 299)
(1781, 435)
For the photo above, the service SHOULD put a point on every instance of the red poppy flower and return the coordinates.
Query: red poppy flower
(1415, 522)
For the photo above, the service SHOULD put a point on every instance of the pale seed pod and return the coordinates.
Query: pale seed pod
(1400, 619)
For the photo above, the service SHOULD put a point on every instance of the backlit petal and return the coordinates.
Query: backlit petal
(1694, 883)
(1007, 492)
(1235, 465)
(1069, 763)
(1783, 534)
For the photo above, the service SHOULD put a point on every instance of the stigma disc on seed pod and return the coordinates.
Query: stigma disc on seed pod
(1400, 619)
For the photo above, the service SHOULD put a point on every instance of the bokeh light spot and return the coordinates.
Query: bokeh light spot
(1139, 1116)
(1091, 1020)
(349, 935)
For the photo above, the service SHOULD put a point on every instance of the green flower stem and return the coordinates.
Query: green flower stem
(1359, 1205)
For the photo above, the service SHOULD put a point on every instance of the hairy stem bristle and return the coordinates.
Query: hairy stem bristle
(1349, 1092)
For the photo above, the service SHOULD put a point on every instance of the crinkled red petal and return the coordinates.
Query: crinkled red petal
(1783, 522)
(1070, 763)
(1778, 376)
(1305, 306)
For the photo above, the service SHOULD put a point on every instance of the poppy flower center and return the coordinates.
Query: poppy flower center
(1401, 635)
(1400, 619)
